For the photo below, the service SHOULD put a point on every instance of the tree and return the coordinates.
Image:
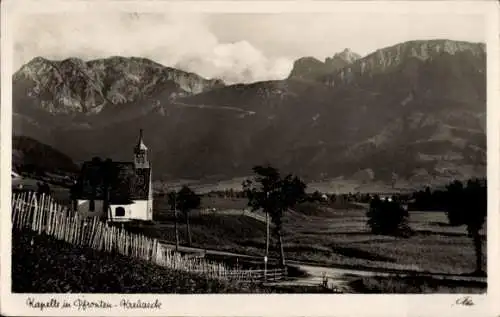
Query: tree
(316, 197)
(467, 205)
(73, 194)
(274, 194)
(388, 217)
(454, 203)
(424, 199)
(187, 200)
(172, 201)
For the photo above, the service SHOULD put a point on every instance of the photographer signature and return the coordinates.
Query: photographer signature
(464, 301)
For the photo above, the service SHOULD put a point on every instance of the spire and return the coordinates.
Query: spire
(140, 145)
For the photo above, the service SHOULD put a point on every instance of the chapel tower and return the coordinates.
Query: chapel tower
(143, 184)
(141, 159)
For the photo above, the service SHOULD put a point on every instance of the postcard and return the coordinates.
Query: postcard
(250, 158)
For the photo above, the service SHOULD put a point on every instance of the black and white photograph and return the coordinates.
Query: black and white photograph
(248, 152)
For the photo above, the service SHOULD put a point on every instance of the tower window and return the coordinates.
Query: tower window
(140, 158)
(92, 205)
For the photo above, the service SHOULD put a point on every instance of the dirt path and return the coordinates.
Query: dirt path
(314, 274)
(203, 106)
(257, 215)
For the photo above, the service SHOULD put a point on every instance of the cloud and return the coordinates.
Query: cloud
(182, 41)
(233, 47)
(322, 35)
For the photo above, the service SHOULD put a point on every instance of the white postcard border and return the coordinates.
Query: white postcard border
(262, 305)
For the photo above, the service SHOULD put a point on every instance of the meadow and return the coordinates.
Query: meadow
(65, 268)
(326, 234)
(329, 235)
(414, 285)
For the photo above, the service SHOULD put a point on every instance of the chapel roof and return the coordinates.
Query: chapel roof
(125, 181)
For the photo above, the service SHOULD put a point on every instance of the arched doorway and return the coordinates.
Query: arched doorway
(120, 212)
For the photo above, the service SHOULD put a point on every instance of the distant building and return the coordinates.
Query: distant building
(117, 191)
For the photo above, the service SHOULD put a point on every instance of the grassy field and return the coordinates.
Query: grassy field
(336, 236)
(414, 285)
(333, 236)
(51, 266)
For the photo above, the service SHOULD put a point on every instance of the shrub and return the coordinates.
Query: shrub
(316, 197)
(388, 217)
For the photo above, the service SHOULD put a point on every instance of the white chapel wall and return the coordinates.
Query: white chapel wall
(139, 210)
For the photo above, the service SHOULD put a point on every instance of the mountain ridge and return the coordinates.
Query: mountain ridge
(73, 85)
(417, 118)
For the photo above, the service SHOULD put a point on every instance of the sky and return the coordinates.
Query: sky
(238, 48)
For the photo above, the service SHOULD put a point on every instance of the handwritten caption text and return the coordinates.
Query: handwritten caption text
(85, 304)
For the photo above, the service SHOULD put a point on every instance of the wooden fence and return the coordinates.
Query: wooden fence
(43, 215)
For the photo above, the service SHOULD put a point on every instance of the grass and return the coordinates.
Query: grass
(225, 232)
(330, 236)
(223, 203)
(335, 237)
(415, 285)
(51, 266)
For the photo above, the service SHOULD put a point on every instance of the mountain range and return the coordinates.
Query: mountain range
(414, 111)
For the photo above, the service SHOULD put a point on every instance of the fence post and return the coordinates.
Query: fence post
(43, 215)
(31, 217)
(15, 210)
(265, 268)
(14, 213)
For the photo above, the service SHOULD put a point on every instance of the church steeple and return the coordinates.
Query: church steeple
(140, 145)
(141, 153)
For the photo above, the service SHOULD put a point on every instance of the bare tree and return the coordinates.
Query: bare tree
(274, 194)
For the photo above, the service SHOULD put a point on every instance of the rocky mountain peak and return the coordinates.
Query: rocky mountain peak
(405, 57)
(74, 85)
(311, 68)
(422, 50)
(30, 69)
(347, 55)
